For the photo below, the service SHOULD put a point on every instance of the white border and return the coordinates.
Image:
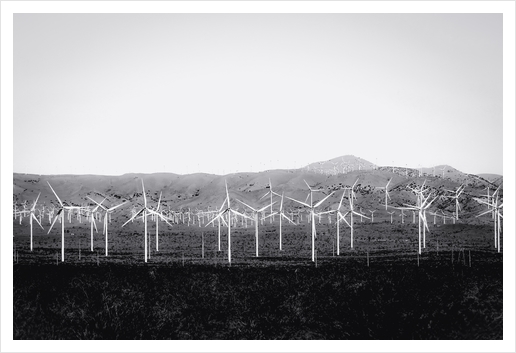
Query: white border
(9, 8)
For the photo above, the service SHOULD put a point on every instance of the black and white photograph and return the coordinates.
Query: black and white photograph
(258, 176)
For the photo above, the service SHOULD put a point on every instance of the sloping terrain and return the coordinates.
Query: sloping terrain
(207, 190)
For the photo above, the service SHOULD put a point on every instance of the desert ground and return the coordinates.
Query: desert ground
(380, 289)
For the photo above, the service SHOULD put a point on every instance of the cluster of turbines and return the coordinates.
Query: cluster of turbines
(228, 215)
(343, 167)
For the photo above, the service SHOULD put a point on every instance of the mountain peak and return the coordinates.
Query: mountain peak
(342, 164)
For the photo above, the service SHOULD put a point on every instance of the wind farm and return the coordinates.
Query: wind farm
(227, 221)
(303, 176)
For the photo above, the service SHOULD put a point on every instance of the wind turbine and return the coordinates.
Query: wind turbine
(352, 188)
(312, 208)
(92, 218)
(23, 212)
(218, 223)
(387, 193)
(443, 216)
(457, 192)
(106, 220)
(372, 215)
(391, 213)
(145, 211)
(402, 215)
(256, 214)
(435, 216)
(495, 207)
(60, 213)
(488, 198)
(157, 220)
(228, 210)
(282, 215)
(31, 217)
(339, 218)
(270, 192)
(352, 212)
(421, 208)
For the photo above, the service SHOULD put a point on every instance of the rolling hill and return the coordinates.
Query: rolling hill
(202, 190)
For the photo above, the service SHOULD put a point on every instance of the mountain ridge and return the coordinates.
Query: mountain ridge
(202, 190)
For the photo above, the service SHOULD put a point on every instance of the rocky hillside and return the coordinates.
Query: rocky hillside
(203, 191)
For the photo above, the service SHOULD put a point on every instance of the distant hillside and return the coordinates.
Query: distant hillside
(205, 191)
(340, 165)
(496, 179)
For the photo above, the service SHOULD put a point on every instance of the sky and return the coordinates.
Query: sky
(218, 93)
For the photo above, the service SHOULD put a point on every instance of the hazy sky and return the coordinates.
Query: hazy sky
(118, 93)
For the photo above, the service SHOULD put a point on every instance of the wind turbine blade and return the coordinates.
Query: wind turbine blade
(94, 223)
(58, 199)
(152, 212)
(320, 202)
(98, 204)
(432, 202)
(268, 192)
(242, 202)
(144, 196)
(221, 207)
(344, 219)
(409, 207)
(307, 184)
(340, 203)
(227, 192)
(36, 219)
(55, 219)
(34, 205)
(241, 214)
(265, 207)
(300, 202)
(133, 217)
(101, 205)
(288, 219)
(112, 208)
(159, 201)
(215, 218)
(482, 201)
(224, 220)
(361, 215)
(210, 222)
(164, 219)
(483, 213)
(425, 224)
(425, 200)
(307, 196)
(272, 214)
